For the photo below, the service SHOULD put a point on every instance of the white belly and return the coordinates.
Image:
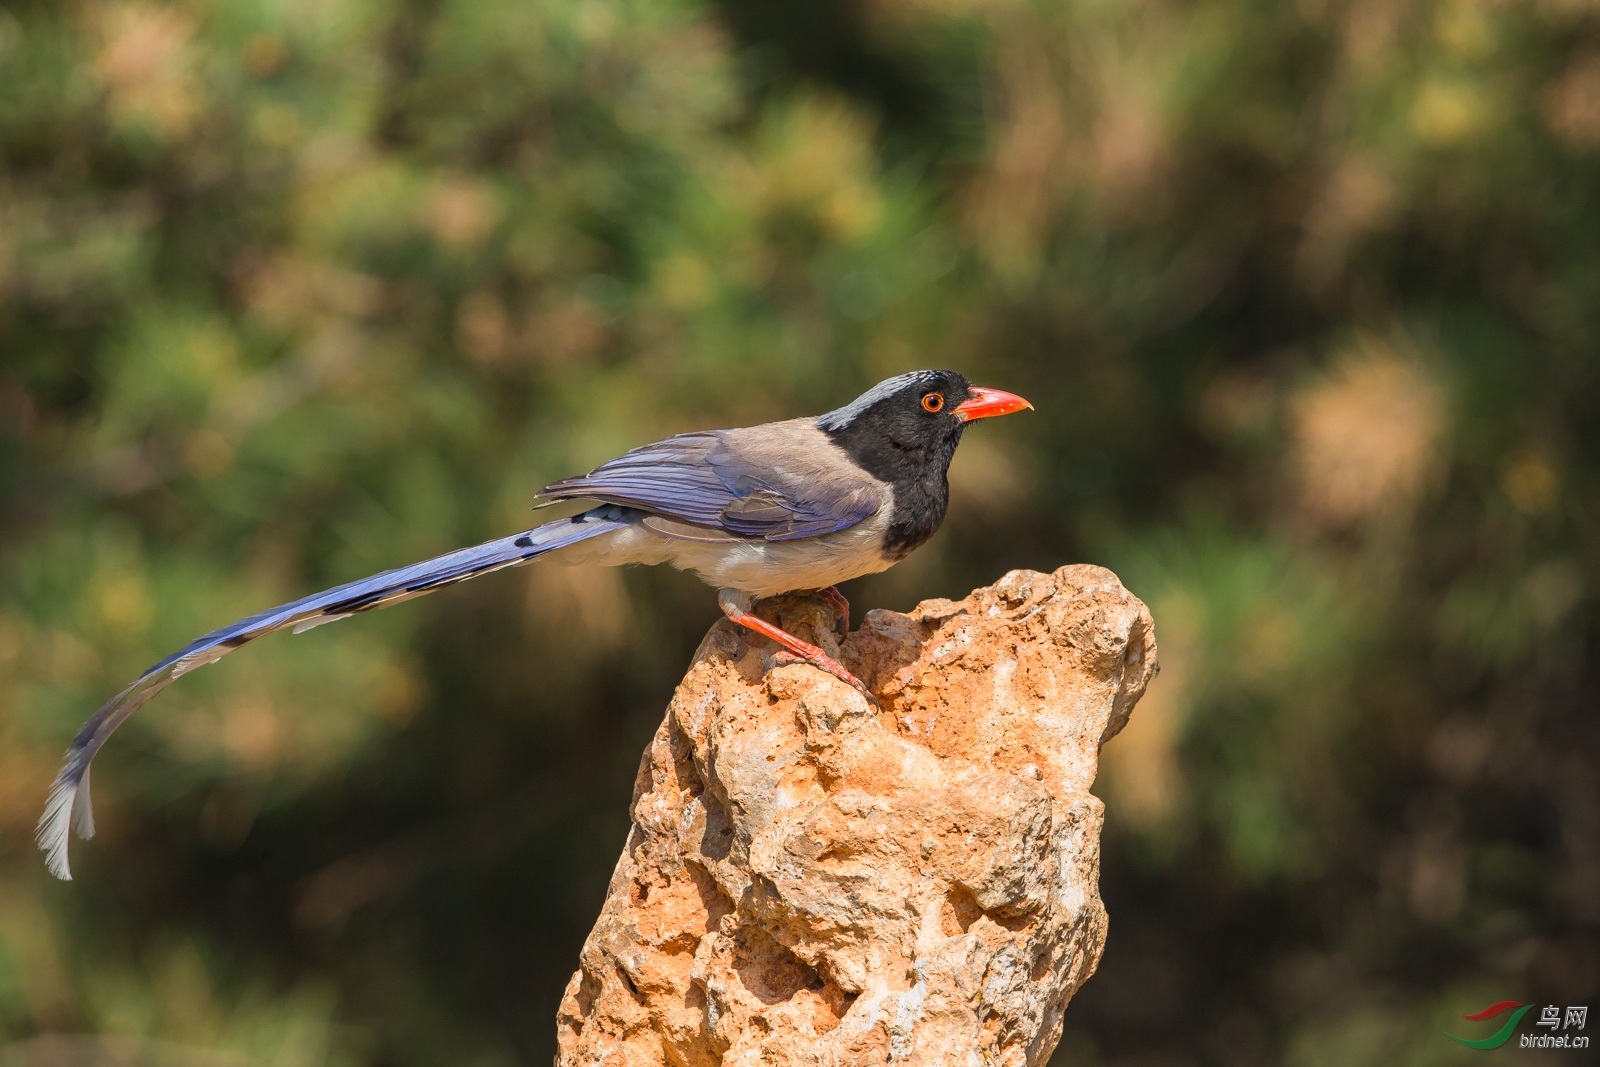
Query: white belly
(760, 568)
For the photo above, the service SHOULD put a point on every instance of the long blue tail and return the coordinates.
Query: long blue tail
(69, 803)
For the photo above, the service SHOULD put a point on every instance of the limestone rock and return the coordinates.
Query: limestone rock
(810, 880)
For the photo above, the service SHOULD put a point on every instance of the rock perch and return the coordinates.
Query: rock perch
(810, 880)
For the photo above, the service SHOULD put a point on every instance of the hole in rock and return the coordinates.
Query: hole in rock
(1009, 920)
(963, 910)
(1133, 658)
(769, 970)
(713, 901)
(627, 983)
(772, 973)
(835, 850)
(717, 841)
(681, 747)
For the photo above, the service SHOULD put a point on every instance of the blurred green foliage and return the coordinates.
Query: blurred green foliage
(290, 292)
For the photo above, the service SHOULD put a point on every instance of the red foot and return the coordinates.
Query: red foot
(800, 649)
(840, 606)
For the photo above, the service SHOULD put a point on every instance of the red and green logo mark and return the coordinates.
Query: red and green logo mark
(1500, 1036)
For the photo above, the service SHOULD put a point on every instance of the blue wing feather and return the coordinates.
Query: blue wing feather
(697, 478)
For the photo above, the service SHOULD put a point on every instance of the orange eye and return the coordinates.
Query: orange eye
(933, 402)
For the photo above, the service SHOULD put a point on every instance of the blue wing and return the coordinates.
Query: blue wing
(776, 487)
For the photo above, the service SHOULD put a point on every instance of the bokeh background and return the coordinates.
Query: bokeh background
(1307, 296)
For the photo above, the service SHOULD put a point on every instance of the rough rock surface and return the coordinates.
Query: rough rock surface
(810, 880)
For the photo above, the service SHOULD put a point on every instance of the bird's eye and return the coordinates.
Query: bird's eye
(933, 402)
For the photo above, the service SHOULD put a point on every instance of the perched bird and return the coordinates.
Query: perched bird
(785, 506)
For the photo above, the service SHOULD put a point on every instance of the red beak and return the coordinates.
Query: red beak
(986, 403)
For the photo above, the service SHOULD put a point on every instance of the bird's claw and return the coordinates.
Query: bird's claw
(784, 658)
(841, 609)
(794, 650)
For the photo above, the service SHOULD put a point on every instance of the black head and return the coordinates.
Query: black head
(904, 431)
(910, 413)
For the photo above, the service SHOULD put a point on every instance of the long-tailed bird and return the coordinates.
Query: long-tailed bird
(785, 506)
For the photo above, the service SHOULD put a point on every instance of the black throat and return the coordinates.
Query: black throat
(915, 465)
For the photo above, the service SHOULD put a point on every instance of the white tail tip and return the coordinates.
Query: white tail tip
(68, 804)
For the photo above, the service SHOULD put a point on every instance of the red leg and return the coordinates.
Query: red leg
(841, 606)
(810, 653)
